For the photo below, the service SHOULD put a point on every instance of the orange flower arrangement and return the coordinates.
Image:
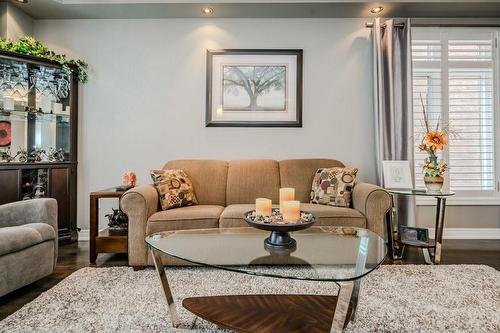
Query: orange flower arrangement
(433, 140)
(436, 139)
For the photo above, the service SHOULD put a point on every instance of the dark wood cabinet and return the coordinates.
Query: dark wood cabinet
(38, 135)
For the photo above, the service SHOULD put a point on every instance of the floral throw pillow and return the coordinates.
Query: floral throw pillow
(333, 186)
(174, 188)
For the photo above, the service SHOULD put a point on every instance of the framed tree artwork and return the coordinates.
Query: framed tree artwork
(254, 88)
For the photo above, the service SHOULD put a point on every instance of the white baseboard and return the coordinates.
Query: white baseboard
(448, 233)
(84, 235)
(468, 233)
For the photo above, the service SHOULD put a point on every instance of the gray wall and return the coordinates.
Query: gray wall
(14, 22)
(462, 216)
(3, 19)
(145, 100)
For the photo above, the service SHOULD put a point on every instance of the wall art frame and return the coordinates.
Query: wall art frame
(254, 88)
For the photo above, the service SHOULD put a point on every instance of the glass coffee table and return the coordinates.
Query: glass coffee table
(342, 255)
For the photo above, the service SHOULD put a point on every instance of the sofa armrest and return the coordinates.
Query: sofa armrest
(373, 202)
(139, 203)
(29, 211)
(42, 210)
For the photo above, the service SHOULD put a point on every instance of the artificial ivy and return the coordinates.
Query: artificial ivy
(29, 45)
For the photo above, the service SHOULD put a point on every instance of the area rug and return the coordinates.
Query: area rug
(399, 298)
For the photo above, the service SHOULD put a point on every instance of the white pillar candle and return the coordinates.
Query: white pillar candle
(291, 210)
(286, 194)
(263, 207)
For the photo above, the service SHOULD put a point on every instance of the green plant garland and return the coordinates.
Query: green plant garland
(29, 45)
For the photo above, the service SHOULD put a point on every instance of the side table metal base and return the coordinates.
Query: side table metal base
(396, 249)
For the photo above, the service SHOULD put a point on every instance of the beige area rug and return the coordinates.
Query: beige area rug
(413, 298)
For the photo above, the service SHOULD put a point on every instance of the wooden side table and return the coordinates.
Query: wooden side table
(103, 242)
(434, 245)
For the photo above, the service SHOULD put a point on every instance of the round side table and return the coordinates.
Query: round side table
(432, 248)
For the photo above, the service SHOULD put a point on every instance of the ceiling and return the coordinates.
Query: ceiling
(116, 9)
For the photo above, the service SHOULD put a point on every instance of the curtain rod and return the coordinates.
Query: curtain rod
(383, 25)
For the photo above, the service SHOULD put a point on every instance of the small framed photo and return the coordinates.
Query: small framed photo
(397, 175)
(414, 235)
(254, 88)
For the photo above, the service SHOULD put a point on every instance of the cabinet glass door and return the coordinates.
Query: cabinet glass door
(34, 113)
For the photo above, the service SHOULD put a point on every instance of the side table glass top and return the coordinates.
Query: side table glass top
(321, 253)
(421, 192)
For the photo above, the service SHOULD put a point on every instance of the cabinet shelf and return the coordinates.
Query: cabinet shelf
(21, 115)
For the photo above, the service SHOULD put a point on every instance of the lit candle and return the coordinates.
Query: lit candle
(291, 210)
(286, 194)
(263, 207)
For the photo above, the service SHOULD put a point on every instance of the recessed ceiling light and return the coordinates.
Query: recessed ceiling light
(207, 10)
(22, 1)
(376, 10)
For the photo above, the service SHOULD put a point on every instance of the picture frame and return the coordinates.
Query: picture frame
(397, 175)
(254, 88)
(414, 235)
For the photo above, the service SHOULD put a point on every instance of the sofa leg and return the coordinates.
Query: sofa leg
(138, 268)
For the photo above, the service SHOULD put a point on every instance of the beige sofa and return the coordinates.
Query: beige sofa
(227, 189)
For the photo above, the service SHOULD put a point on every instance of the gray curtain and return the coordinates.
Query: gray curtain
(393, 102)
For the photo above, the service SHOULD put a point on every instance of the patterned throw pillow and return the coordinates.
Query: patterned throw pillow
(174, 188)
(333, 186)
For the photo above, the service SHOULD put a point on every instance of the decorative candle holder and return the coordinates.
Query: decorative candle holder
(280, 229)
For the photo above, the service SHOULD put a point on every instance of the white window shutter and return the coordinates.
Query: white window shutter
(455, 71)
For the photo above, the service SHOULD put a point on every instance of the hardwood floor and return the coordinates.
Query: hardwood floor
(75, 256)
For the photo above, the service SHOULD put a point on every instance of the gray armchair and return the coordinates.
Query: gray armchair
(28, 242)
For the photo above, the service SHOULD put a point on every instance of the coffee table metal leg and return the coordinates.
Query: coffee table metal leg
(349, 291)
(342, 307)
(172, 310)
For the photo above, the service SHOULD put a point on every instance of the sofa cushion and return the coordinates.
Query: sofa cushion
(335, 216)
(20, 237)
(299, 174)
(333, 186)
(174, 188)
(248, 180)
(232, 216)
(191, 217)
(209, 178)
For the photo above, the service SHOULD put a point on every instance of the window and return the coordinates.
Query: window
(455, 75)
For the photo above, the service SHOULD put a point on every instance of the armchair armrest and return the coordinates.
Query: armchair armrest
(139, 203)
(374, 202)
(29, 211)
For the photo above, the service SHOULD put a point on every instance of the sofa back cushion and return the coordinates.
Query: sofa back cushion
(299, 174)
(209, 178)
(251, 179)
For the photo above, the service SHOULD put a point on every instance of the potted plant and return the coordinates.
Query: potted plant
(433, 141)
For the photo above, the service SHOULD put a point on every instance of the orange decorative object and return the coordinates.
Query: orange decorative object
(436, 139)
(129, 178)
(291, 210)
(5, 133)
(263, 207)
(286, 194)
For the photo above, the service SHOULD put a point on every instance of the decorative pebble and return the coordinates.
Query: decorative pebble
(277, 218)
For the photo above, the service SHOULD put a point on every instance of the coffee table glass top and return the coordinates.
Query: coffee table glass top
(321, 253)
(422, 192)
